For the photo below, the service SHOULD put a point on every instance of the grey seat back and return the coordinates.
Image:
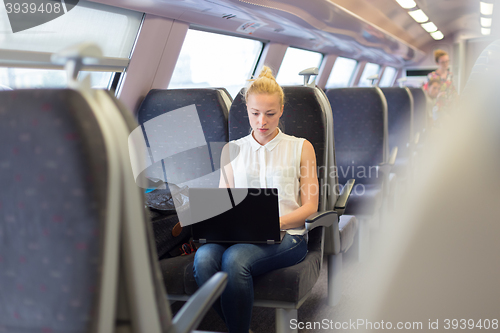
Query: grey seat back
(400, 118)
(419, 110)
(53, 201)
(196, 166)
(360, 126)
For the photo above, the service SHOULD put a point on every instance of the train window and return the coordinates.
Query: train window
(295, 61)
(388, 77)
(215, 60)
(369, 70)
(342, 73)
(19, 78)
(113, 29)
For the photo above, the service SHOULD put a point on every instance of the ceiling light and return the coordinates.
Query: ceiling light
(485, 31)
(419, 16)
(407, 4)
(437, 35)
(485, 22)
(429, 27)
(486, 8)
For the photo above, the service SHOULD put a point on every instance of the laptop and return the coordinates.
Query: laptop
(235, 215)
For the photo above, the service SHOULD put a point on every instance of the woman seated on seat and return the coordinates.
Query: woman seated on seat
(267, 158)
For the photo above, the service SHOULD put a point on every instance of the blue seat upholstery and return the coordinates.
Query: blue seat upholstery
(400, 121)
(419, 111)
(211, 106)
(360, 144)
(200, 164)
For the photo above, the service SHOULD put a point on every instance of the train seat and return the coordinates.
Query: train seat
(361, 149)
(305, 115)
(75, 252)
(400, 128)
(360, 143)
(197, 167)
(419, 113)
(53, 159)
(421, 126)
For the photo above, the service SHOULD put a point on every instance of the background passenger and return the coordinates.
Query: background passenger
(433, 100)
(443, 73)
(268, 158)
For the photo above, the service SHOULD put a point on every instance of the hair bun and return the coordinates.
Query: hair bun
(265, 83)
(266, 72)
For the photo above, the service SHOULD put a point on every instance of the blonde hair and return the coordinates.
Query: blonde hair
(265, 83)
(438, 54)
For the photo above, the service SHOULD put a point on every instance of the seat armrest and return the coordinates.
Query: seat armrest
(341, 202)
(190, 315)
(417, 138)
(324, 219)
(385, 168)
(392, 157)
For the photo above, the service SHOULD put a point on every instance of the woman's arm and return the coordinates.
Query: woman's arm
(309, 190)
(226, 174)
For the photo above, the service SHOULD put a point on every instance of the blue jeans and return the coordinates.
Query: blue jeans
(242, 262)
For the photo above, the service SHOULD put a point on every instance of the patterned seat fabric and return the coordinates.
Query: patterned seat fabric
(358, 116)
(53, 171)
(195, 167)
(199, 167)
(399, 119)
(419, 110)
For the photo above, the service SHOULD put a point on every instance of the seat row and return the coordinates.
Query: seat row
(308, 113)
(376, 136)
(76, 251)
(94, 206)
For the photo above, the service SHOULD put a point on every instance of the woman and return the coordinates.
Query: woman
(267, 158)
(448, 92)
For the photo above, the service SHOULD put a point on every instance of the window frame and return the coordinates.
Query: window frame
(42, 60)
(391, 83)
(353, 73)
(303, 49)
(229, 34)
(364, 69)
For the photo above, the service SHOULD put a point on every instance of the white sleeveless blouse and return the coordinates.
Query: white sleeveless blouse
(274, 165)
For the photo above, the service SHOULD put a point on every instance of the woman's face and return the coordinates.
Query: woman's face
(264, 112)
(444, 62)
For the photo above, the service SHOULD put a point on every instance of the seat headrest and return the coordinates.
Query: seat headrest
(210, 105)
